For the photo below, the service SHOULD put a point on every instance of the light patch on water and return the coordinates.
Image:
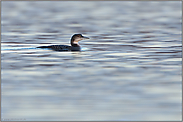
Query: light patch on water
(124, 54)
(38, 92)
(14, 48)
(173, 59)
(84, 48)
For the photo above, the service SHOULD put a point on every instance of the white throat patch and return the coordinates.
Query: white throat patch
(75, 42)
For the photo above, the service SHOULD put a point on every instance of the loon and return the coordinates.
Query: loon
(74, 44)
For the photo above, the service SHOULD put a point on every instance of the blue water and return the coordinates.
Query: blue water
(130, 69)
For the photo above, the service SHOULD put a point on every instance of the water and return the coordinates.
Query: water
(130, 69)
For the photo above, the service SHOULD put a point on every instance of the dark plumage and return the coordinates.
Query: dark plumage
(74, 44)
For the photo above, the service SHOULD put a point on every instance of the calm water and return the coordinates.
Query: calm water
(130, 69)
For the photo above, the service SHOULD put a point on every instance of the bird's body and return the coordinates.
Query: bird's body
(58, 47)
(74, 44)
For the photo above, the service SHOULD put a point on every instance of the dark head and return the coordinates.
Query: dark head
(76, 38)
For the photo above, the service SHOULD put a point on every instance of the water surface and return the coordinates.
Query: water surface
(130, 69)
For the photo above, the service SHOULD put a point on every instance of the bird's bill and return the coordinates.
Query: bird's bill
(84, 37)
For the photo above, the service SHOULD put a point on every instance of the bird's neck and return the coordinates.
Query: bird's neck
(74, 43)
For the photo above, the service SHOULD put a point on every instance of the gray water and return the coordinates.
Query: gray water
(130, 69)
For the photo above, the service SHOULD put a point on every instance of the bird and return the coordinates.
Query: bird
(74, 44)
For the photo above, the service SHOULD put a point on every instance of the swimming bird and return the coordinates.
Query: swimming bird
(74, 44)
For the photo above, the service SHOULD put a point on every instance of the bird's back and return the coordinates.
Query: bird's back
(61, 48)
(57, 47)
